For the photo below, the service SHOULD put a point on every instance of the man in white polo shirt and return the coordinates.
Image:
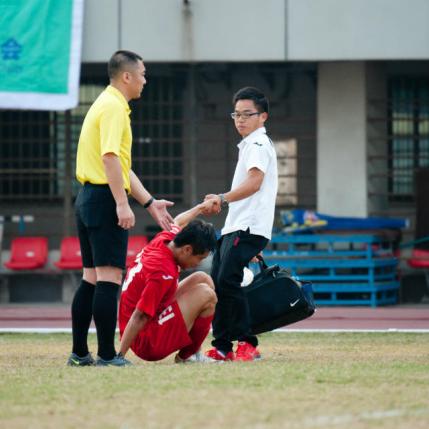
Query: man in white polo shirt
(247, 229)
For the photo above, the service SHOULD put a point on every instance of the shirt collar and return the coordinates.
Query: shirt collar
(118, 94)
(170, 253)
(252, 136)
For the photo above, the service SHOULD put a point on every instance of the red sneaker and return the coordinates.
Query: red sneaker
(246, 352)
(216, 354)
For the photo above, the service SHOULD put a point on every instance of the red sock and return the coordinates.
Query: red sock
(198, 334)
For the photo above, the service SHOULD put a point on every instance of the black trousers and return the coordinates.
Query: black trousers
(231, 320)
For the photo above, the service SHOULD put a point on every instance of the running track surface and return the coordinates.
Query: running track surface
(57, 317)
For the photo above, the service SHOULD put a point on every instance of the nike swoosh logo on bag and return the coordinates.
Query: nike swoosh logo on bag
(292, 304)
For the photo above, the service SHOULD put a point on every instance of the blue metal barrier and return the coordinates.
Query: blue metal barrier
(345, 269)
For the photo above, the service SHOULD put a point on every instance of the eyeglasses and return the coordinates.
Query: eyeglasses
(244, 115)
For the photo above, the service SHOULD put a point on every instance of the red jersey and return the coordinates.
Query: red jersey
(151, 283)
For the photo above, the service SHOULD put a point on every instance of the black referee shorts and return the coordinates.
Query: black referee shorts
(102, 241)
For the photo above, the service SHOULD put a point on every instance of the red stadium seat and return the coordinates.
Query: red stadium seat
(419, 259)
(415, 290)
(70, 256)
(28, 253)
(135, 245)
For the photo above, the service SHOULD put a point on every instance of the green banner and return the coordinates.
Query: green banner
(35, 45)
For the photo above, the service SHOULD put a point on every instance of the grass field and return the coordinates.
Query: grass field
(306, 380)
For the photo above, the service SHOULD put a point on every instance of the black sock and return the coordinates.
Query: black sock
(81, 310)
(252, 340)
(105, 309)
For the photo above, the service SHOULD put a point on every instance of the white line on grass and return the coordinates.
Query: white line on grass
(36, 330)
(39, 330)
(368, 415)
(352, 330)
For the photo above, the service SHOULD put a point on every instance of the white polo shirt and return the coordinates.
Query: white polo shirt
(257, 211)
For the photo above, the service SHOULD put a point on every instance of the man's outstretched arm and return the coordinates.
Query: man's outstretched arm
(205, 208)
(248, 187)
(134, 326)
(157, 208)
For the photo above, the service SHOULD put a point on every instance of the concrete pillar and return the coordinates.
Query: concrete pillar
(70, 282)
(341, 139)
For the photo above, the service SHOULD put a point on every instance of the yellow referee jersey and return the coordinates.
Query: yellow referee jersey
(106, 129)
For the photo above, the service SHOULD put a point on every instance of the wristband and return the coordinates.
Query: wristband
(148, 203)
(223, 201)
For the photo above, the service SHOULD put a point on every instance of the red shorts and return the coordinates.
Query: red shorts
(162, 335)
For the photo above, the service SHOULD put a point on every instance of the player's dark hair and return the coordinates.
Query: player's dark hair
(199, 234)
(121, 61)
(254, 94)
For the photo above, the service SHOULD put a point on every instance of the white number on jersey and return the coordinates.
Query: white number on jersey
(132, 272)
(167, 314)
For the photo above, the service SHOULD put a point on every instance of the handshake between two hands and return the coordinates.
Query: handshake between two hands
(211, 205)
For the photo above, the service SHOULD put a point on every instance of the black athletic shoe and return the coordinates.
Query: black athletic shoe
(118, 360)
(75, 360)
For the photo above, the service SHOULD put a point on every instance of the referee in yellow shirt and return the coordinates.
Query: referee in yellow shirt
(103, 213)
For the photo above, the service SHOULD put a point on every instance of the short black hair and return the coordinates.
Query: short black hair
(254, 94)
(120, 61)
(199, 234)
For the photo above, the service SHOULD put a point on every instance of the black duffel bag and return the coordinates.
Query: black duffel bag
(276, 299)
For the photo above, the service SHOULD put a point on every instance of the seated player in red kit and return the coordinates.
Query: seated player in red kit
(157, 314)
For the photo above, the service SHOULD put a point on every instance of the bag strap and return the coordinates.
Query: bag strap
(264, 268)
(262, 265)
